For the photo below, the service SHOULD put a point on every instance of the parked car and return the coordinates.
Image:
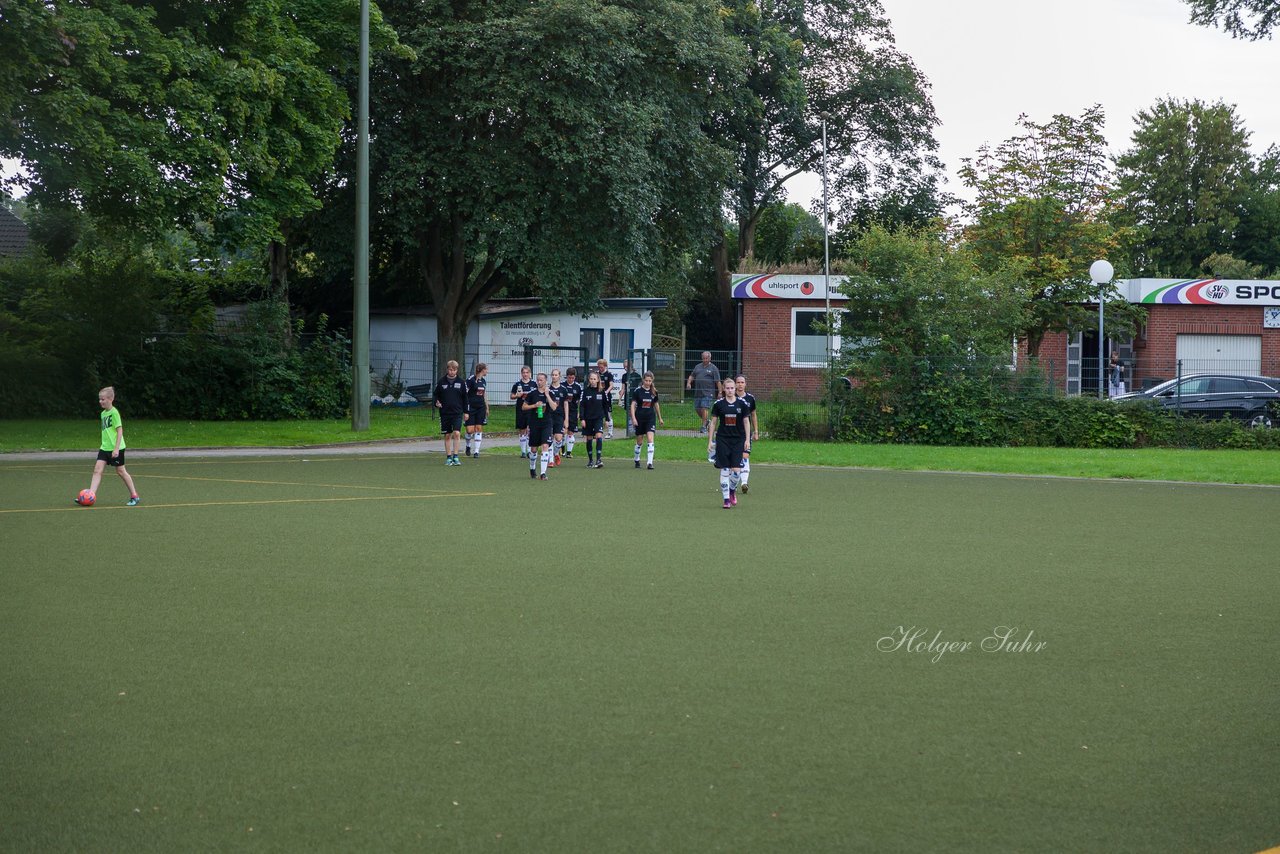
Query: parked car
(1251, 400)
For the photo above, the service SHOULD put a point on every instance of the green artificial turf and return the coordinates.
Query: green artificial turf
(382, 653)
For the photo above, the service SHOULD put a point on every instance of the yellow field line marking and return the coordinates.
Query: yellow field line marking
(53, 465)
(265, 501)
(275, 482)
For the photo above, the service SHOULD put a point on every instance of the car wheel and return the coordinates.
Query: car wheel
(1260, 421)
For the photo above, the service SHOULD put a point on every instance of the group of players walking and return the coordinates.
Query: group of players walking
(552, 411)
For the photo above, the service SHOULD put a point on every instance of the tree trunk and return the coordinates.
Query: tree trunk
(724, 282)
(278, 274)
(458, 289)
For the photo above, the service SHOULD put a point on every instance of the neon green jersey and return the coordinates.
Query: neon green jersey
(110, 423)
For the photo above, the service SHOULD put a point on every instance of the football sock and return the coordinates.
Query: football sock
(569, 442)
(746, 468)
(650, 453)
(533, 461)
(475, 442)
(545, 457)
(724, 483)
(735, 478)
(524, 445)
(638, 454)
(600, 448)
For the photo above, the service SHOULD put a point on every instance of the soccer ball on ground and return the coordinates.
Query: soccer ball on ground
(86, 498)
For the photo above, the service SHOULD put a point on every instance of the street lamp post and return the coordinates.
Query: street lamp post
(1101, 272)
(826, 274)
(360, 281)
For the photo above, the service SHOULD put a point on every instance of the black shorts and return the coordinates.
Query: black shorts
(106, 457)
(729, 453)
(450, 422)
(522, 417)
(593, 426)
(539, 434)
(479, 417)
(646, 425)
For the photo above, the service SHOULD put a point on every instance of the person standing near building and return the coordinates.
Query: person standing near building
(591, 419)
(541, 409)
(519, 389)
(477, 409)
(572, 395)
(627, 383)
(704, 380)
(644, 413)
(557, 391)
(754, 432)
(606, 385)
(451, 399)
(729, 435)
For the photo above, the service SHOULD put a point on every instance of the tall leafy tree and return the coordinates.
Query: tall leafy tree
(150, 116)
(1244, 19)
(1040, 212)
(1257, 238)
(835, 58)
(556, 144)
(1182, 184)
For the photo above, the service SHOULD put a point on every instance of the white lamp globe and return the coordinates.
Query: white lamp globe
(1101, 272)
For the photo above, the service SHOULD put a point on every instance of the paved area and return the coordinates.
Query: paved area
(408, 447)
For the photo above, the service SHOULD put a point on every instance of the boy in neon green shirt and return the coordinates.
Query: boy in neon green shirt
(111, 449)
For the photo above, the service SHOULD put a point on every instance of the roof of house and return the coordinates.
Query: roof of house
(514, 307)
(14, 235)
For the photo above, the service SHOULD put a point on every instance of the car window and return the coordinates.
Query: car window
(1229, 385)
(1255, 387)
(1195, 385)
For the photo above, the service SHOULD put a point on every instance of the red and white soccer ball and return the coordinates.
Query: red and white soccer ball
(86, 498)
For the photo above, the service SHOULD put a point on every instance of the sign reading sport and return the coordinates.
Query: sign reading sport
(1204, 291)
(777, 286)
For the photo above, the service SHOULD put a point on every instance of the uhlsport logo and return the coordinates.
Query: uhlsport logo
(806, 288)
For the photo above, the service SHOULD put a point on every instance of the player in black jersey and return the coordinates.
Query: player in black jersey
(477, 408)
(645, 411)
(451, 399)
(541, 409)
(591, 419)
(519, 389)
(729, 431)
(606, 383)
(558, 391)
(572, 395)
(755, 428)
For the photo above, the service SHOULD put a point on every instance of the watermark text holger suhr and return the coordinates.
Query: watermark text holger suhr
(1009, 639)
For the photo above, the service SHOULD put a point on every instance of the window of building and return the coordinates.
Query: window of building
(592, 340)
(809, 338)
(621, 342)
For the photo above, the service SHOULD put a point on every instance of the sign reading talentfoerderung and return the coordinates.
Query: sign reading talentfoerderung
(1203, 291)
(777, 286)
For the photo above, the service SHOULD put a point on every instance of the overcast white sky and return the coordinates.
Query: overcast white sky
(990, 60)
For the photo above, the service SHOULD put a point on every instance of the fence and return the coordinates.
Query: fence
(396, 365)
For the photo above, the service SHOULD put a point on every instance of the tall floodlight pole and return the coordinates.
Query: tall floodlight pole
(360, 307)
(826, 274)
(1101, 272)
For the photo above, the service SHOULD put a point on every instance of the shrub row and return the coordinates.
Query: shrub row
(978, 413)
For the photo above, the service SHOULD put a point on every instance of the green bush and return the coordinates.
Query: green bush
(972, 411)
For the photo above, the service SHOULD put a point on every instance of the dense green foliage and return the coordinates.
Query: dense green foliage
(1041, 216)
(66, 331)
(1246, 19)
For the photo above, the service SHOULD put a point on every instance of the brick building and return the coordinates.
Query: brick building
(1192, 325)
(781, 330)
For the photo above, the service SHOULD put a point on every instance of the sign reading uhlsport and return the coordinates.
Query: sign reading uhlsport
(777, 286)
